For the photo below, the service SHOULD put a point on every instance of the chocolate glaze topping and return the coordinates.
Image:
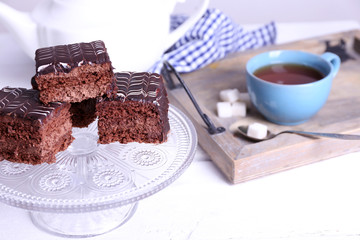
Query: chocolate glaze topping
(25, 103)
(140, 86)
(64, 58)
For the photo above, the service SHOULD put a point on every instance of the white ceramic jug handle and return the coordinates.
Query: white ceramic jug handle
(190, 22)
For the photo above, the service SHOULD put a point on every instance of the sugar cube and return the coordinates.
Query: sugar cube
(229, 95)
(224, 109)
(257, 130)
(238, 109)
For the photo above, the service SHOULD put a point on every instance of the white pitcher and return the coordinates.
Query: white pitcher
(135, 32)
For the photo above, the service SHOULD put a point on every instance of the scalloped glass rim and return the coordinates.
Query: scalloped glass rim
(178, 122)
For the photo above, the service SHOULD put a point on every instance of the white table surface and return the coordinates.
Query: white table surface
(317, 201)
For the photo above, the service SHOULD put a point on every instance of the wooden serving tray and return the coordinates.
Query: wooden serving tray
(241, 160)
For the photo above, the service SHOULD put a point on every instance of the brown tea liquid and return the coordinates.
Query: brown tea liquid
(288, 74)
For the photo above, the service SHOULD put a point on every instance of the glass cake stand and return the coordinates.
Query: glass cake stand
(94, 188)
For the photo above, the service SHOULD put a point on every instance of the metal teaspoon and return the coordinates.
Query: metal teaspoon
(270, 135)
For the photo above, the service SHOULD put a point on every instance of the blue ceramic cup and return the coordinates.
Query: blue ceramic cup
(291, 104)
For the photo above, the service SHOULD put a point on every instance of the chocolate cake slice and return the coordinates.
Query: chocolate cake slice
(31, 132)
(73, 73)
(138, 113)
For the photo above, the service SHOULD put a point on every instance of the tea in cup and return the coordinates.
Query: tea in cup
(288, 87)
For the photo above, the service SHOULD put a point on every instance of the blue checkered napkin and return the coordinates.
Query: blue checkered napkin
(213, 37)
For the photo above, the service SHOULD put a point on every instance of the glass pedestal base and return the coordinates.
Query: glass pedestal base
(84, 224)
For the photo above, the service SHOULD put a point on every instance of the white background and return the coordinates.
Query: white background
(261, 11)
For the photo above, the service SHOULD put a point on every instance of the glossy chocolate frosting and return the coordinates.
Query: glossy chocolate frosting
(140, 86)
(64, 58)
(25, 104)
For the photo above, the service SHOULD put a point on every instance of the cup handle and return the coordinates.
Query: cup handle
(334, 61)
(184, 27)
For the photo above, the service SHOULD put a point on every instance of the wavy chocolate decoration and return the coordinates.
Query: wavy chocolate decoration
(139, 86)
(64, 58)
(25, 103)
